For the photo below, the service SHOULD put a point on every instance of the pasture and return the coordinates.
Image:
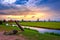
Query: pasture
(33, 34)
(50, 25)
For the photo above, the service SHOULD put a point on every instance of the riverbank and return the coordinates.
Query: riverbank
(43, 30)
(42, 27)
(35, 35)
(30, 34)
(47, 25)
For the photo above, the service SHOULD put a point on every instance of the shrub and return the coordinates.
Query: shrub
(1, 22)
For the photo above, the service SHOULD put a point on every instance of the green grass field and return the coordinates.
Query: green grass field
(31, 34)
(52, 25)
(35, 35)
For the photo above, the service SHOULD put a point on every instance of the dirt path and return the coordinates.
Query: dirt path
(11, 37)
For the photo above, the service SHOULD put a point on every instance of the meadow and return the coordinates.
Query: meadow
(33, 34)
(50, 25)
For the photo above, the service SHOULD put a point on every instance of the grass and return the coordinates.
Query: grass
(8, 28)
(31, 34)
(35, 35)
(52, 25)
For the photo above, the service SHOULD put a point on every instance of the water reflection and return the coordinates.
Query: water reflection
(42, 30)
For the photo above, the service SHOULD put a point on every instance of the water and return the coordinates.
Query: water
(41, 30)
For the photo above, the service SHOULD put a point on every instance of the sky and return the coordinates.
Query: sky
(30, 9)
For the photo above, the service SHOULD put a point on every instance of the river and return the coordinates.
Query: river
(41, 30)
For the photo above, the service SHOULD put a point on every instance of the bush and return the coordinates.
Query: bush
(1, 22)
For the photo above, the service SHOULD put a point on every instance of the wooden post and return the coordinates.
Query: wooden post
(19, 26)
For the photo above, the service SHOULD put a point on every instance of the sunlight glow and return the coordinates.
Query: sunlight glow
(27, 17)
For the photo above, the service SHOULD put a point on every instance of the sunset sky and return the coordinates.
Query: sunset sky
(30, 9)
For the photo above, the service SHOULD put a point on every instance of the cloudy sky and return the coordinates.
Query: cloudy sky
(30, 9)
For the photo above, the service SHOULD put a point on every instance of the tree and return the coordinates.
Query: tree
(0, 22)
(44, 21)
(38, 20)
(22, 20)
(4, 20)
(49, 20)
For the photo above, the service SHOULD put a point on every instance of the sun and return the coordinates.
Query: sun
(9, 1)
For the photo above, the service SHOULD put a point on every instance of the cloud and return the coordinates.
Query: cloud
(1, 1)
(31, 6)
(52, 4)
(21, 10)
(10, 9)
(7, 6)
(21, 2)
(2, 13)
(2, 7)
